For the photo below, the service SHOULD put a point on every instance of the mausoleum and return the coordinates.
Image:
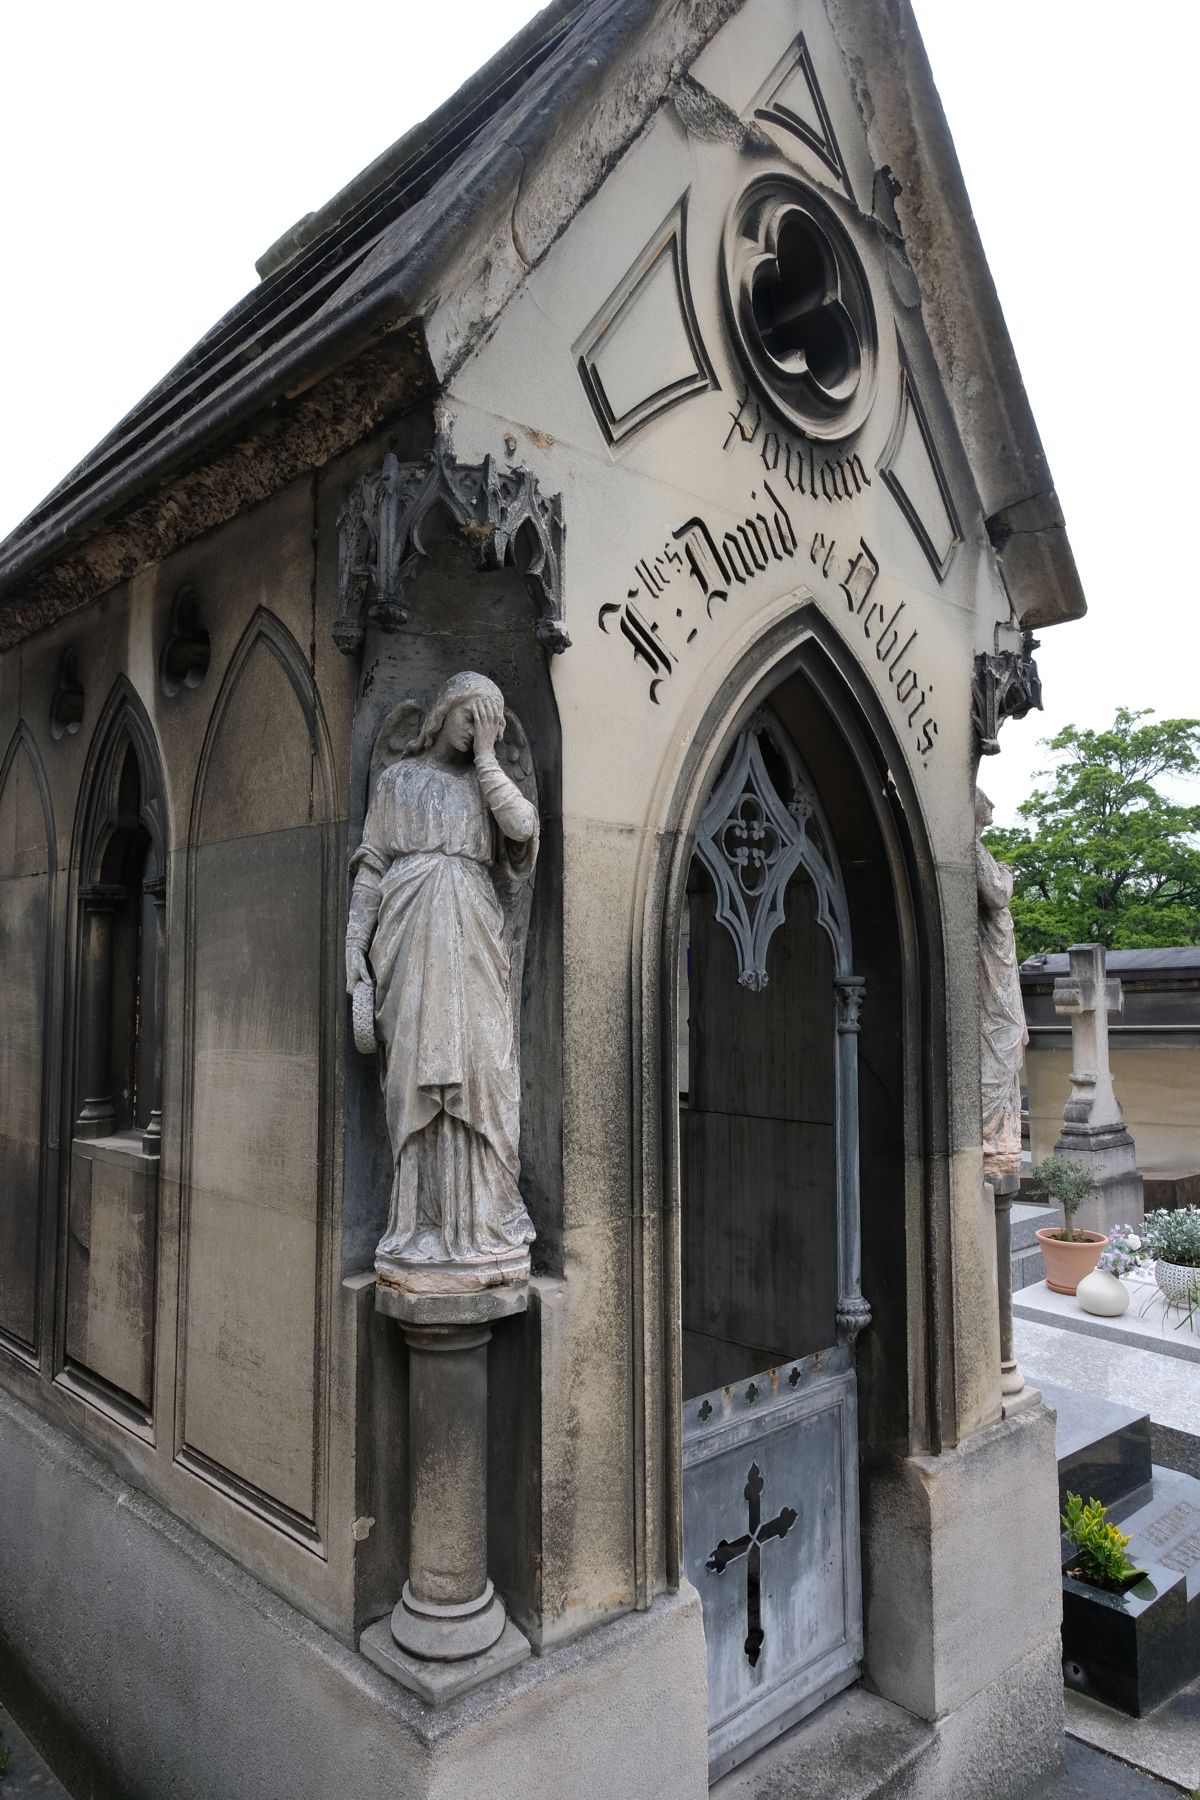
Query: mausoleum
(498, 1285)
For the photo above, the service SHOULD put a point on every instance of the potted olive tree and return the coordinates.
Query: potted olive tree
(1069, 1254)
(1173, 1239)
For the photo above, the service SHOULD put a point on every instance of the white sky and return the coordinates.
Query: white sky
(149, 153)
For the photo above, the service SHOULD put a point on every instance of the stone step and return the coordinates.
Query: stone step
(1103, 1449)
(1027, 1267)
(856, 1746)
(1027, 1219)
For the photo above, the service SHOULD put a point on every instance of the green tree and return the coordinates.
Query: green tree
(1101, 856)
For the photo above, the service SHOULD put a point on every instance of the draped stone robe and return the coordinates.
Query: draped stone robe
(436, 839)
(1003, 1033)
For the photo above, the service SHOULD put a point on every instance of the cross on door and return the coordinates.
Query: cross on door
(749, 1546)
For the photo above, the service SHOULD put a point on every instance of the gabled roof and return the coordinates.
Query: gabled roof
(569, 92)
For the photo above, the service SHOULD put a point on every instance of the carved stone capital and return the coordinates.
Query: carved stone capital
(848, 993)
(853, 1317)
(500, 513)
(102, 896)
(1006, 686)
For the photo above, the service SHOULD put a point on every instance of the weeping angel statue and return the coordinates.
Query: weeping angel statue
(1002, 1031)
(434, 953)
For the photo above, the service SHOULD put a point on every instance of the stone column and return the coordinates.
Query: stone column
(152, 1135)
(97, 1115)
(853, 1311)
(449, 1631)
(1014, 1393)
(1093, 1131)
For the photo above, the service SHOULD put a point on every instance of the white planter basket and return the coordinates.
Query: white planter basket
(1179, 1285)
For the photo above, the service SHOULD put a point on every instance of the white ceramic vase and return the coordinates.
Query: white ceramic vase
(1179, 1285)
(1103, 1294)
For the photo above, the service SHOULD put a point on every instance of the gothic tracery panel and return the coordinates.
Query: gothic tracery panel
(255, 1167)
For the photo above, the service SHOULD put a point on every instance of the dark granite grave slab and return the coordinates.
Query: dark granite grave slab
(1166, 1527)
(1103, 1449)
(1130, 1650)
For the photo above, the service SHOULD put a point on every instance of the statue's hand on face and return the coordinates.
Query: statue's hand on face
(487, 719)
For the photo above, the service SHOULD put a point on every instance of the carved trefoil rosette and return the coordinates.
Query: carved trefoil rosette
(791, 99)
(501, 514)
(642, 353)
(912, 471)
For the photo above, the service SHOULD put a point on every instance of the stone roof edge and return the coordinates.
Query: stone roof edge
(314, 225)
(546, 151)
(423, 253)
(908, 135)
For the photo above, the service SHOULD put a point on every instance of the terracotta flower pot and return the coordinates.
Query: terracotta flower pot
(1067, 1262)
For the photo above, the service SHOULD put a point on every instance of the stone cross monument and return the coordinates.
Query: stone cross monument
(1093, 1131)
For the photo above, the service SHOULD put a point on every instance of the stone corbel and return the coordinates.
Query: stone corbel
(1006, 686)
(500, 513)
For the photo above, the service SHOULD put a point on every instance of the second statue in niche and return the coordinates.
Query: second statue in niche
(434, 954)
(1002, 1032)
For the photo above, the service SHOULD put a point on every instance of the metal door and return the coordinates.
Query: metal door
(770, 1459)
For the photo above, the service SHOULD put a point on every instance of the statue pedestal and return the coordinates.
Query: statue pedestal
(448, 1631)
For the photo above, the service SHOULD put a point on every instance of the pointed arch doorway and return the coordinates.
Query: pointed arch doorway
(770, 1246)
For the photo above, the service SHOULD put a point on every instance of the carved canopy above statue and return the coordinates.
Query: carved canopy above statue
(499, 512)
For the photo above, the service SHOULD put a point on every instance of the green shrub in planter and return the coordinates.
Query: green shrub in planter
(1101, 1547)
(1066, 1183)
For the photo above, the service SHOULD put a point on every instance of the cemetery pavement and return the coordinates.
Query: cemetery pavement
(1091, 1775)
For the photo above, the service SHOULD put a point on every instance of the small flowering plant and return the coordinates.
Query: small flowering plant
(1123, 1251)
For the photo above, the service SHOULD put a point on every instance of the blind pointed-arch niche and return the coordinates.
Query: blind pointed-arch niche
(254, 1221)
(120, 866)
(26, 880)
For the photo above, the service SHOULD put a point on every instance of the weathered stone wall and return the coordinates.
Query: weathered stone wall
(186, 1314)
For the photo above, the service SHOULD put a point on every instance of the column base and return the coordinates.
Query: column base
(1011, 1380)
(447, 1633)
(437, 1683)
(1021, 1401)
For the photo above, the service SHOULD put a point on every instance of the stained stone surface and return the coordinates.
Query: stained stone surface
(25, 1776)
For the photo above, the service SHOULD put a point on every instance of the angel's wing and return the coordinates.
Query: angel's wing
(395, 734)
(513, 869)
(516, 758)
